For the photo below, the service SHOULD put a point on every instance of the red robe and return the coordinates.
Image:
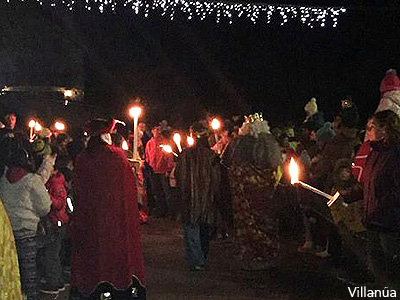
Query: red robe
(105, 224)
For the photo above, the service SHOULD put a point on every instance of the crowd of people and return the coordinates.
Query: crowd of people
(71, 209)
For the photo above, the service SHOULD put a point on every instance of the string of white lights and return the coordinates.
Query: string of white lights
(218, 10)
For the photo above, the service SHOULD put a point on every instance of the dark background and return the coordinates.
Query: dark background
(182, 69)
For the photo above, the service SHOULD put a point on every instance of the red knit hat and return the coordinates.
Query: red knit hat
(390, 82)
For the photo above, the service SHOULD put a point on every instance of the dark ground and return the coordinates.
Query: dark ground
(299, 276)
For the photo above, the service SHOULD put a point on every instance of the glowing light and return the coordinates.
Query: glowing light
(135, 112)
(68, 93)
(32, 123)
(38, 127)
(215, 124)
(217, 10)
(177, 140)
(168, 149)
(190, 141)
(124, 145)
(59, 223)
(293, 171)
(59, 126)
(69, 203)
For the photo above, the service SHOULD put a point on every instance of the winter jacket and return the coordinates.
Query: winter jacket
(58, 196)
(25, 199)
(381, 188)
(159, 161)
(360, 160)
(199, 177)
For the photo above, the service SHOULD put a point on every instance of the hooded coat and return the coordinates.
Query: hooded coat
(198, 172)
(105, 226)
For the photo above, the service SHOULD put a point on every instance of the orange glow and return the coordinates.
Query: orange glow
(177, 140)
(215, 124)
(135, 112)
(59, 126)
(32, 123)
(293, 171)
(38, 127)
(124, 145)
(190, 141)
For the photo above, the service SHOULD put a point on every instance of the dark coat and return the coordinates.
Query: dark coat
(198, 173)
(382, 188)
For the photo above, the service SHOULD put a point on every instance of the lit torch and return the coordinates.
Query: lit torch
(124, 145)
(190, 141)
(135, 113)
(31, 125)
(177, 140)
(60, 126)
(294, 179)
(168, 149)
(38, 127)
(215, 125)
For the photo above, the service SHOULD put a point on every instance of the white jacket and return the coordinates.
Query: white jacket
(25, 201)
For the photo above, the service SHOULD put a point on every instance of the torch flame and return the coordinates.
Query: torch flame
(215, 124)
(38, 127)
(293, 171)
(59, 126)
(177, 140)
(32, 123)
(124, 145)
(190, 141)
(135, 111)
(166, 148)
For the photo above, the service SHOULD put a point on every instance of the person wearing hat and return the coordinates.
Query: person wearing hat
(106, 246)
(198, 174)
(314, 118)
(390, 92)
(254, 159)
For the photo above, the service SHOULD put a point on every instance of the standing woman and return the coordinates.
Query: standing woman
(107, 254)
(381, 195)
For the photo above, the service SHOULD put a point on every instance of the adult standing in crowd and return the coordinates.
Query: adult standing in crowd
(198, 173)
(255, 157)
(161, 164)
(107, 253)
(381, 195)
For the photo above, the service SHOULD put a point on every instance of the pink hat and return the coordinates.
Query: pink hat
(390, 82)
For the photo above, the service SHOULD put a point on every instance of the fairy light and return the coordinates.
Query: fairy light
(217, 10)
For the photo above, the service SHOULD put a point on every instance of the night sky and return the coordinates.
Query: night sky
(183, 69)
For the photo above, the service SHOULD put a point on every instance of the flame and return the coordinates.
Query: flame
(59, 126)
(135, 111)
(293, 171)
(177, 140)
(215, 124)
(124, 145)
(38, 127)
(190, 141)
(32, 123)
(166, 148)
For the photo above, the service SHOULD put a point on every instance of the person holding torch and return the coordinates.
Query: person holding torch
(380, 192)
